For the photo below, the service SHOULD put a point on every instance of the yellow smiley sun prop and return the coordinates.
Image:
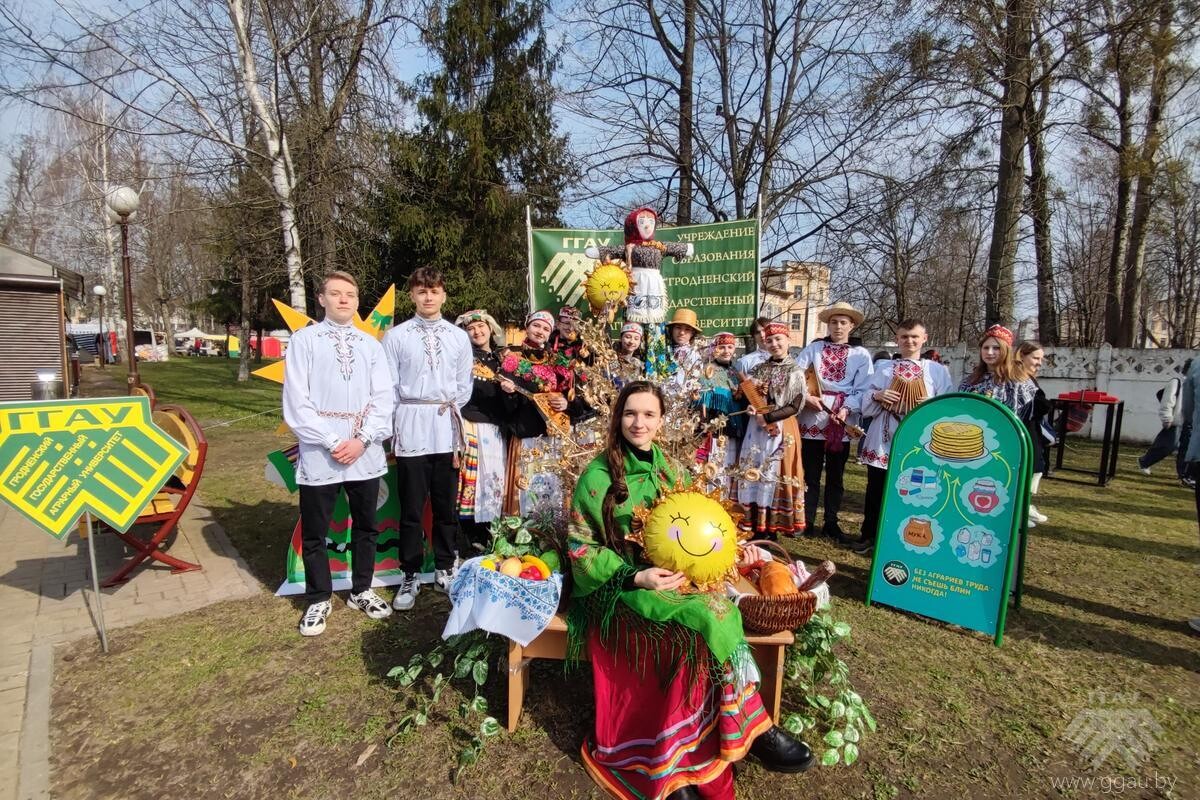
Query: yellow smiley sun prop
(608, 286)
(691, 532)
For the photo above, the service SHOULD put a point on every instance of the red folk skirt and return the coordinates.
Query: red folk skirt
(652, 739)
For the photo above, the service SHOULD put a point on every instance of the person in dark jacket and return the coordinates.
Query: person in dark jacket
(1176, 429)
(1029, 360)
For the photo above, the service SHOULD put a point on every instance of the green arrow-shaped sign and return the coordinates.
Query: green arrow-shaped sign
(61, 458)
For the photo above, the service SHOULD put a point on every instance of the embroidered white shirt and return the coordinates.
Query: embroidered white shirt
(750, 360)
(845, 369)
(877, 444)
(336, 385)
(430, 362)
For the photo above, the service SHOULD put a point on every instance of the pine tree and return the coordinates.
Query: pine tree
(486, 147)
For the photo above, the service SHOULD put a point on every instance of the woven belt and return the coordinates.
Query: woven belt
(456, 420)
(356, 418)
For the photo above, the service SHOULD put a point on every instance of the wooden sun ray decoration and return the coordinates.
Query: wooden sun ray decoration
(376, 324)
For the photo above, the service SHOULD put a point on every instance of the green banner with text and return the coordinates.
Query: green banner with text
(719, 281)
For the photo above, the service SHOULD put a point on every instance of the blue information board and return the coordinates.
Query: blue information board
(953, 513)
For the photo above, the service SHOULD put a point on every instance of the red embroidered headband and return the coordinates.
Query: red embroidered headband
(999, 332)
(775, 329)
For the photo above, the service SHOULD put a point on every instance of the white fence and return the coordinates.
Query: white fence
(1130, 374)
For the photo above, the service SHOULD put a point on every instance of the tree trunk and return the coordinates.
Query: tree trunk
(686, 78)
(1010, 177)
(1039, 209)
(1147, 167)
(247, 309)
(283, 175)
(1116, 256)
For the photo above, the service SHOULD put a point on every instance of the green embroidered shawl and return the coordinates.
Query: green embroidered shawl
(600, 573)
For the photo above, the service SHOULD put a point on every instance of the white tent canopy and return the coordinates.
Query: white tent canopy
(194, 333)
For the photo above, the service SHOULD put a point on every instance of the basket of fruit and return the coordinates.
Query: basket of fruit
(770, 593)
(514, 589)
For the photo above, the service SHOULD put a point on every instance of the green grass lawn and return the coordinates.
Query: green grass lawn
(241, 706)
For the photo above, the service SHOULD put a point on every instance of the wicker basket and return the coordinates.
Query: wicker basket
(774, 614)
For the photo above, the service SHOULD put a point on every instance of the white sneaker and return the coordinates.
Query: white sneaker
(442, 579)
(1037, 516)
(313, 621)
(1030, 523)
(370, 604)
(1144, 470)
(406, 593)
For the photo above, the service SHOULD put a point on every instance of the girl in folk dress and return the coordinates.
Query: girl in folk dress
(774, 498)
(485, 419)
(997, 374)
(676, 687)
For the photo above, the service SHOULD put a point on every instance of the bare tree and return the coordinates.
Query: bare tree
(1138, 71)
(168, 69)
(792, 102)
(1173, 251)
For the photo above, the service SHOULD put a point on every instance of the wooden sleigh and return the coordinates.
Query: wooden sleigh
(166, 508)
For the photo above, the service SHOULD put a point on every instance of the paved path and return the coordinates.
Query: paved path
(46, 599)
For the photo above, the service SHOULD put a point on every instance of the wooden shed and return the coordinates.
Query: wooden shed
(33, 337)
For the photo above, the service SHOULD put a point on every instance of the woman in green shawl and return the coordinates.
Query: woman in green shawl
(675, 684)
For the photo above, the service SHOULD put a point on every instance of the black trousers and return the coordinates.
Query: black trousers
(876, 483)
(1194, 474)
(816, 460)
(316, 508)
(475, 536)
(433, 477)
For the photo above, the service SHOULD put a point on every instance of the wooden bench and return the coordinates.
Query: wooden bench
(166, 507)
(144, 390)
(552, 643)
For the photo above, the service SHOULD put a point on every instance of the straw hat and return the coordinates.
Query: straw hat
(844, 309)
(687, 318)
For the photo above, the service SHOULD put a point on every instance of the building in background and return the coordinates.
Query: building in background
(795, 293)
(1168, 326)
(35, 296)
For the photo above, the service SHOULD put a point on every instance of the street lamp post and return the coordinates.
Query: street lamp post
(123, 201)
(100, 291)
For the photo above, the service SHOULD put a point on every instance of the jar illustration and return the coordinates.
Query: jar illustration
(983, 496)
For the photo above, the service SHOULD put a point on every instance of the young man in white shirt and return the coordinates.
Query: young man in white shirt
(841, 372)
(886, 408)
(337, 399)
(430, 360)
(752, 358)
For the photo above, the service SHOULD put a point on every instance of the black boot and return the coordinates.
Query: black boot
(779, 752)
(685, 793)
